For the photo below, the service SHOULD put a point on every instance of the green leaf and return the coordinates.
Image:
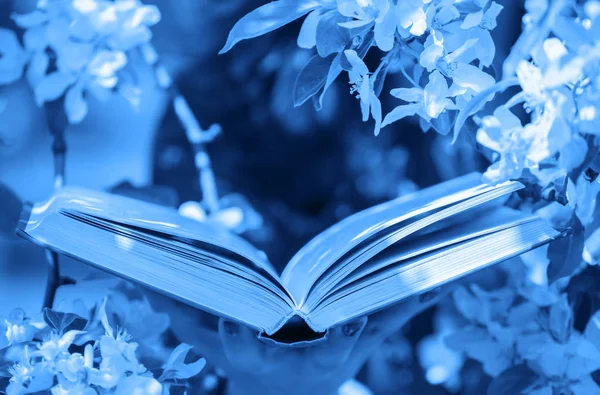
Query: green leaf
(267, 18)
(512, 381)
(311, 78)
(62, 322)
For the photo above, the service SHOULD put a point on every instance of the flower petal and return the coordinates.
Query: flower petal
(52, 86)
(75, 104)
(472, 20)
(400, 112)
(469, 76)
(356, 62)
(434, 94)
(307, 38)
(408, 94)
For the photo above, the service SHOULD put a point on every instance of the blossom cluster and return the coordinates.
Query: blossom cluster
(545, 135)
(76, 48)
(555, 64)
(443, 48)
(445, 51)
(523, 333)
(64, 353)
(559, 87)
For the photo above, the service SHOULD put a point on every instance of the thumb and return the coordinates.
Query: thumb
(242, 348)
(335, 351)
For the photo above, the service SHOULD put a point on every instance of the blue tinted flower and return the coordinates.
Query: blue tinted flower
(16, 328)
(412, 17)
(364, 12)
(176, 368)
(27, 377)
(56, 345)
(90, 39)
(136, 384)
(428, 102)
(363, 86)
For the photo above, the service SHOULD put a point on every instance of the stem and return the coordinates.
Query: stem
(197, 136)
(53, 281)
(57, 123)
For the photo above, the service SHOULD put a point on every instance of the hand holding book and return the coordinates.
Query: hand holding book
(363, 264)
(312, 327)
(268, 368)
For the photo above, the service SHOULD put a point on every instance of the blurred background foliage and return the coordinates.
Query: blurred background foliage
(300, 169)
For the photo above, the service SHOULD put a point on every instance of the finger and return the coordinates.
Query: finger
(191, 326)
(386, 322)
(242, 348)
(335, 351)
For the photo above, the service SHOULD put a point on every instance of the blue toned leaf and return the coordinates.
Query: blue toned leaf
(379, 76)
(267, 18)
(63, 322)
(443, 122)
(477, 103)
(311, 78)
(331, 37)
(560, 320)
(512, 381)
(334, 71)
(565, 254)
(366, 39)
(176, 368)
(460, 339)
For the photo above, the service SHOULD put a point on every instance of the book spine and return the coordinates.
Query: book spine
(24, 218)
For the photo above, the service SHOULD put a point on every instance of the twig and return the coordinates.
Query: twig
(197, 136)
(57, 122)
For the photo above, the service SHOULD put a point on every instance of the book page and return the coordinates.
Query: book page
(193, 276)
(458, 212)
(420, 274)
(497, 220)
(121, 209)
(311, 262)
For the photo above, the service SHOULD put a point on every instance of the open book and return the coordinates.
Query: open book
(365, 263)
